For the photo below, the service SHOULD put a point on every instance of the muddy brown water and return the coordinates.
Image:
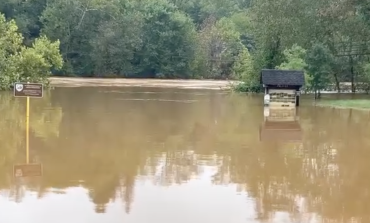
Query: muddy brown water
(140, 155)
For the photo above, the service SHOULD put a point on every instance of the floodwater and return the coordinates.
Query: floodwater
(141, 155)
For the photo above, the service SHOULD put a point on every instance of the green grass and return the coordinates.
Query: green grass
(355, 103)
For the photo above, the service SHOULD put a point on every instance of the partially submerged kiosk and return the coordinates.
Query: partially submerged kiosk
(282, 87)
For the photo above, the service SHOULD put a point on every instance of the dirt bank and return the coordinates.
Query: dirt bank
(121, 82)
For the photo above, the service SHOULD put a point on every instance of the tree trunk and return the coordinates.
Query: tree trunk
(337, 82)
(353, 90)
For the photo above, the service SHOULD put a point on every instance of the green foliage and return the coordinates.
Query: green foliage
(35, 63)
(364, 9)
(21, 63)
(168, 35)
(243, 26)
(191, 39)
(319, 66)
(218, 47)
(244, 70)
(366, 72)
(295, 60)
(364, 77)
(247, 87)
(243, 66)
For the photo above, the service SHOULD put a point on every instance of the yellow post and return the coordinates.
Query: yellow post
(28, 130)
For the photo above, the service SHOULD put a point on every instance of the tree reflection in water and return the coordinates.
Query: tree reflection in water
(107, 145)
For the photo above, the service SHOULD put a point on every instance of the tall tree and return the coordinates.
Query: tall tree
(319, 66)
(167, 41)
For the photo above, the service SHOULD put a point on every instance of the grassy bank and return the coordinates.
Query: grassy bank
(348, 103)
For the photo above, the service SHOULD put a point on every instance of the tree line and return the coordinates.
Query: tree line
(209, 39)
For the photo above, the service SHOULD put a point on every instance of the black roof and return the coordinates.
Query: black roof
(282, 77)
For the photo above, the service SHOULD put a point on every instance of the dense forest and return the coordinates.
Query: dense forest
(210, 39)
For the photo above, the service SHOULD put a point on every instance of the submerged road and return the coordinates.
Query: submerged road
(117, 82)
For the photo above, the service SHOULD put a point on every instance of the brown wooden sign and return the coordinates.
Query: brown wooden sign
(27, 170)
(34, 90)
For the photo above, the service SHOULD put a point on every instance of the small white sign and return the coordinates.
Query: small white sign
(19, 87)
(266, 99)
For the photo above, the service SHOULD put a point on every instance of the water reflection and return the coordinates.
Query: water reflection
(158, 160)
(280, 124)
(45, 118)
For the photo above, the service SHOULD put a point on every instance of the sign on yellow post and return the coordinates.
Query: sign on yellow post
(28, 90)
(33, 90)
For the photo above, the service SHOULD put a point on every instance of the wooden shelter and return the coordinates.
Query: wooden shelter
(283, 86)
(281, 124)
